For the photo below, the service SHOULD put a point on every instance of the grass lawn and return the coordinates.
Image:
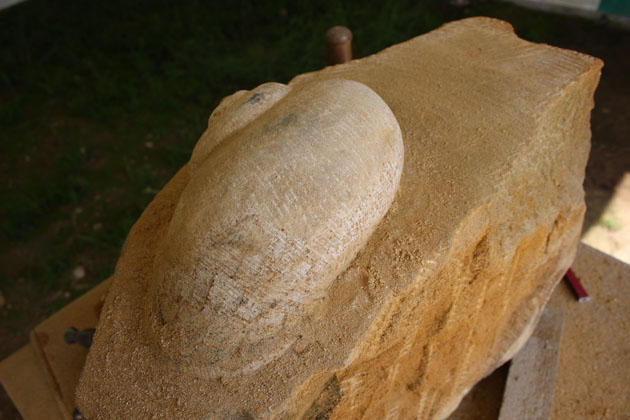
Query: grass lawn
(102, 102)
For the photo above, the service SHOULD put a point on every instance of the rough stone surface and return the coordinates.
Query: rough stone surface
(447, 287)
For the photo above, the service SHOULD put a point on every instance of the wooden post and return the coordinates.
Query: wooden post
(339, 40)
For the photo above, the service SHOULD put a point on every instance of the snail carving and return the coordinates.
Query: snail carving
(226, 268)
(284, 188)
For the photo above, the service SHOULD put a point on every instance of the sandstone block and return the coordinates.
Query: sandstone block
(415, 284)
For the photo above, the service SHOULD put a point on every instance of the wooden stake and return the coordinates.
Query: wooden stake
(339, 40)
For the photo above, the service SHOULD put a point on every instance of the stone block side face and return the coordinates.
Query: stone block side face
(450, 284)
(452, 325)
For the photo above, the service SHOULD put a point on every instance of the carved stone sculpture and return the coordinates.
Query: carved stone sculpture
(284, 188)
(367, 241)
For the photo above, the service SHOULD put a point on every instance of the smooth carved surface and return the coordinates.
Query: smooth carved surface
(449, 284)
(271, 214)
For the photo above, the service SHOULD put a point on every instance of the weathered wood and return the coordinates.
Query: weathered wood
(339, 40)
(531, 382)
(28, 387)
(58, 361)
(594, 366)
(449, 285)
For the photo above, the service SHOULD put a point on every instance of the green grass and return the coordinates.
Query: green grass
(85, 85)
(611, 223)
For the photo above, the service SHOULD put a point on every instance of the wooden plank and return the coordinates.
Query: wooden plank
(60, 362)
(27, 386)
(531, 382)
(594, 366)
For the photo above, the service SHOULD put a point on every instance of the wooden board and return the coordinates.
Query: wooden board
(62, 362)
(28, 387)
(532, 379)
(41, 377)
(594, 367)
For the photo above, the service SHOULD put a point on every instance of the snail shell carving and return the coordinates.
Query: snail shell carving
(285, 187)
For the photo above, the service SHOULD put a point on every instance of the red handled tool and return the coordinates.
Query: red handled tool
(576, 286)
